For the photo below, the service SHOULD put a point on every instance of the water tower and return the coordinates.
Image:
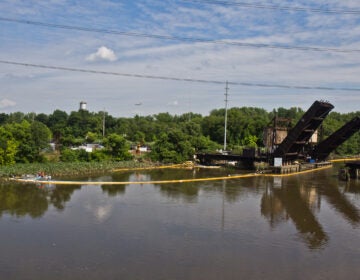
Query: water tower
(82, 105)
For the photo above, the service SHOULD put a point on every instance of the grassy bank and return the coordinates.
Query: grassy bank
(68, 168)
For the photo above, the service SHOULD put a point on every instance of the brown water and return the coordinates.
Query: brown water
(299, 227)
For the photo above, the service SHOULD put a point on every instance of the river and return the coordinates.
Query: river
(299, 227)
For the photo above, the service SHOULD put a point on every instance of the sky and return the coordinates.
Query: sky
(176, 56)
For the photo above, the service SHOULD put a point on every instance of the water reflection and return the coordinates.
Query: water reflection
(187, 192)
(304, 226)
(20, 201)
(58, 196)
(352, 186)
(336, 195)
(114, 190)
(299, 199)
(34, 200)
(296, 202)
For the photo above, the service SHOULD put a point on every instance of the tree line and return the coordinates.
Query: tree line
(25, 138)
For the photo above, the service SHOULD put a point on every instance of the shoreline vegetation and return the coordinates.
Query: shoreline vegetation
(58, 169)
(70, 169)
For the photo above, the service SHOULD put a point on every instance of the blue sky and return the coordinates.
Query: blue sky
(29, 89)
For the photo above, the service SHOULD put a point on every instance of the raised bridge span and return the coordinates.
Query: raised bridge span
(324, 148)
(291, 147)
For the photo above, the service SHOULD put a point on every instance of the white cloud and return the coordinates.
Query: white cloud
(103, 53)
(179, 59)
(6, 103)
(173, 103)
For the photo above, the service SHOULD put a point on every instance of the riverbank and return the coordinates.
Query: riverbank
(69, 169)
(58, 169)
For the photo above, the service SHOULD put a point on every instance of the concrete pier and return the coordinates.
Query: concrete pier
(293, 168)
(285, 169)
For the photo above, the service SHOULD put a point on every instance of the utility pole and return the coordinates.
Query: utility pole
(103, 123)
(226, 105)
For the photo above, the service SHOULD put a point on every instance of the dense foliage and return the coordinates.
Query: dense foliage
(25, 138)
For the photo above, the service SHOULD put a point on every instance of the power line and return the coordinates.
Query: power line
(247, 84)
(177, 38)
(277, 7)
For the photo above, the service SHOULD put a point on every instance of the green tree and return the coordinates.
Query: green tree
(40, 135)
(68, 155)
(3, 118)
(16, 117)
(204, 144)
(57, 123)
(8, 147)
(43, 118)
(31, 138)
(82, 121)
(251, 141)
(117, 147)
(25, 151)
(213, 126)
(139, 137)
(92, 137)
(242, 123)
(172, 147)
